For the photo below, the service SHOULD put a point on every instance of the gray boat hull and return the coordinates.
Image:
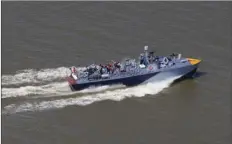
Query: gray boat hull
(184, 71)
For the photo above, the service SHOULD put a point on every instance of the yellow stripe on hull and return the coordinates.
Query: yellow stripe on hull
(193, 61)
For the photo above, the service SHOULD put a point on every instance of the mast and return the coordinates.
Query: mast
(146, 51)
(146, 54)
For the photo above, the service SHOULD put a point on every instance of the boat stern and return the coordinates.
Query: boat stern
(71, 82)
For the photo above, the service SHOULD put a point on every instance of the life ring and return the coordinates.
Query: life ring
(150, 67)
(165, 60)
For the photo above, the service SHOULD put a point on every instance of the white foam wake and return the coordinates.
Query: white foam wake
(116, 95)
(44, 90)
(50, 90)
(35, 76)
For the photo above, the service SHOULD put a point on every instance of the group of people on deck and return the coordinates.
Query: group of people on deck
(110, 67)
(107, 68)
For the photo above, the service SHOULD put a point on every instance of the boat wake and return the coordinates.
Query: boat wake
(115, 95)
(61, 88)
(47, 81)
(29, 76)
(50, 90)
(57, 88)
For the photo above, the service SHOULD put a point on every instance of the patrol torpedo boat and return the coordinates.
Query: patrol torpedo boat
(130, 72)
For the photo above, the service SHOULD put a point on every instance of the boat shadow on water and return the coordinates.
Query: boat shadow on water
(187, 77)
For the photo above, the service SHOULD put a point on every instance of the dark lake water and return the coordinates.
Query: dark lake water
(41, 40)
